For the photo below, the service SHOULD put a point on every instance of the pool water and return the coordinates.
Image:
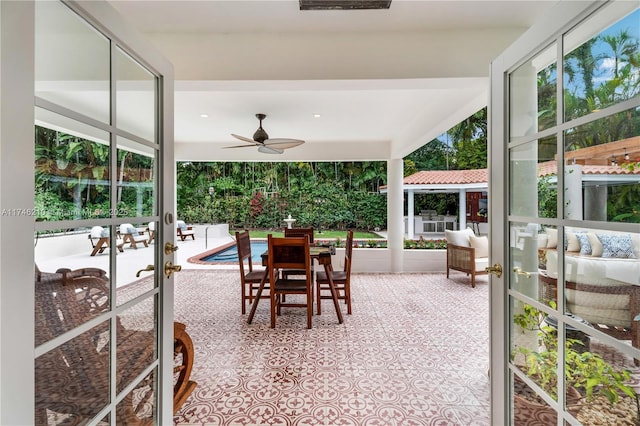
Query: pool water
(230, 254)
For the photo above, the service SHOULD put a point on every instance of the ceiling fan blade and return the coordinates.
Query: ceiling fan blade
(268, 150)
(283, 143)
(239, 146)
(242, 138)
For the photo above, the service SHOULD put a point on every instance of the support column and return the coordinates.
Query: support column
(395, 213)
(595, 203)
(462, 209)
(573, 194)
(410, 214)
(139, 191)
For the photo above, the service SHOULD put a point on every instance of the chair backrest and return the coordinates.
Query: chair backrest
(348, 251)
(289, 253)
(299, 232)
(96, 232)
(127, 228)
(243, 246)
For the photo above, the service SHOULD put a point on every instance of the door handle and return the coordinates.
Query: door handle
(170, 248)
(170, 268)
(519, 271)
(148, 268)
(496, 270)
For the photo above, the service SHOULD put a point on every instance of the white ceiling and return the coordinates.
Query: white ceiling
(384, 82)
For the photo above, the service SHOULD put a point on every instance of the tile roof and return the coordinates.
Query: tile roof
(447, 177)
(551, 167)
(461, 177)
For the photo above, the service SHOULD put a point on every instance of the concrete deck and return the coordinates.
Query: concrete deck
(73, 251)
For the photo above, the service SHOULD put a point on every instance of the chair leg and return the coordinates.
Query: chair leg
(319, 299)
(273, 308)
(243, 297)
(310, 308)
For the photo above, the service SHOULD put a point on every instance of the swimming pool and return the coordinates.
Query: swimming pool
(230, 254)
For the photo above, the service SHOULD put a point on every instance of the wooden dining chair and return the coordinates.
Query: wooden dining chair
(290, 253)
(249, 279)
(341, 279)
(297, 232)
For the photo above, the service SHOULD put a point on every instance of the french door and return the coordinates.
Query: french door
(101, 183)
(565, 186)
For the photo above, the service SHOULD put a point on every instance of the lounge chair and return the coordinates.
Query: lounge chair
(151, 229)
(72, 379)
(130, 234)
(100, 241)
(184, 231)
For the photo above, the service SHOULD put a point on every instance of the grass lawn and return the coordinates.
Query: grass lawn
(326, 234)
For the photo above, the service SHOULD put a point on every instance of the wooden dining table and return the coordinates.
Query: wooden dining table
(319, 253)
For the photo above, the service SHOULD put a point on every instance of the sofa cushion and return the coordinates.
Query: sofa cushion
(481, 244)
(552, 237)
(481, 263)
(459, 238)
(619, 246)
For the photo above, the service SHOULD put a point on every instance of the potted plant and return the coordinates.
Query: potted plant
(588, 375)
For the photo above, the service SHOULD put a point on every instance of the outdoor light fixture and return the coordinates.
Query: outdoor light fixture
(211, 191)
(626, 155)
(344, 4)
(613, 161)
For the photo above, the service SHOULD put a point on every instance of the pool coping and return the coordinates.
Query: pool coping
(197, 258)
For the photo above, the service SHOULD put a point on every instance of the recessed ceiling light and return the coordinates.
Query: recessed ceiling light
(204, 115)
(316, 115)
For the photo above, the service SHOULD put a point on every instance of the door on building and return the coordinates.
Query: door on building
(568, 302)
(102, 210)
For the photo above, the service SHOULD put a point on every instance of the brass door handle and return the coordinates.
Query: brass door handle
(519, 271)
(496, 270)
(170, 268)
(170, 248)
(148, 268)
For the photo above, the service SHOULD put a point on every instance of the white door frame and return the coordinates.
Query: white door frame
(17, 51)
(562, 17)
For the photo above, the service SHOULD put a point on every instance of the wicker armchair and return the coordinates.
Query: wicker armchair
(465, 255)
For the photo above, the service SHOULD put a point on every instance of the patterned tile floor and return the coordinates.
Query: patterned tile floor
(415, 351)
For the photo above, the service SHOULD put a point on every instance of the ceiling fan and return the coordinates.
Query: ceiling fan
(264, 143)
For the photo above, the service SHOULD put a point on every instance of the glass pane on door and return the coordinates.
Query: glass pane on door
(533, 178)
(602, 70)
(135, 97)
(532, 91)
(71, 62)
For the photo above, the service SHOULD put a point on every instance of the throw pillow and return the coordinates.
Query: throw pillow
(132, 230)
(481, 244)
(552, 237)
(459, 238)
(619, 246)
(572, 243)
(596, 245)
(104, 233)
(585, 245)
